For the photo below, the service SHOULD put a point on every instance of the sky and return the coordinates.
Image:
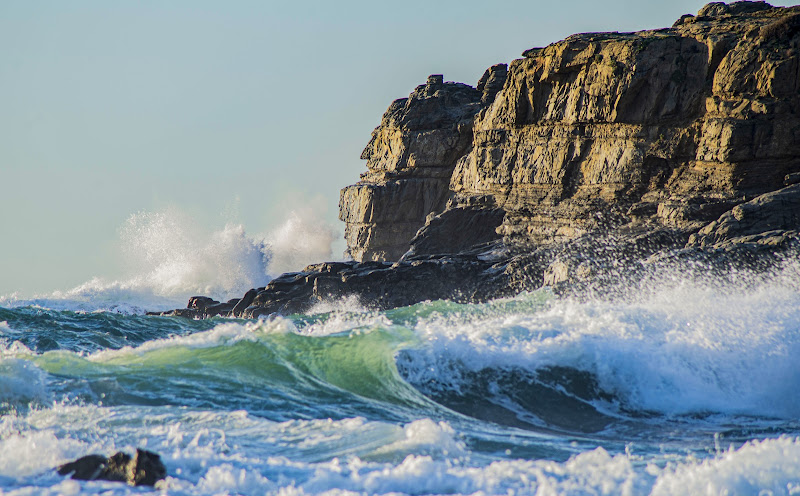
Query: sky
(229, 112)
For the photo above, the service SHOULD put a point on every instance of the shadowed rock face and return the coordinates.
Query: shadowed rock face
(766, 216)
(592, 160)
(463, 277)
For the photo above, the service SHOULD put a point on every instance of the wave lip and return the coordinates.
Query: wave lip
(21, 383)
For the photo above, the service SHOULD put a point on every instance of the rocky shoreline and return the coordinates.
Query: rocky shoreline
(593, 160)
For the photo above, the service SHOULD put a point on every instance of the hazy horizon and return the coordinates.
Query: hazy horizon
(238, 114)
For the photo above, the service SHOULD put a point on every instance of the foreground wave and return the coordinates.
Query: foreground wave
(684, 383)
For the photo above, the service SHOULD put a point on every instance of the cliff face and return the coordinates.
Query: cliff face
(657, 129)
(410, 160)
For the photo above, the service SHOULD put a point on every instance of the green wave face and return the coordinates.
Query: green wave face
(267, 368)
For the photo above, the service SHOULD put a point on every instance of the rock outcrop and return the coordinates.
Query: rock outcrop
(463, 277)
(410, 160)
(590, 159)
(768, 215)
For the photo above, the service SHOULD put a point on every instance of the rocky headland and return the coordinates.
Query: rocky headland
(593, 160)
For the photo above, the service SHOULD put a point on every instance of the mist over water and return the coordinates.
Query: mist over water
(168, 257)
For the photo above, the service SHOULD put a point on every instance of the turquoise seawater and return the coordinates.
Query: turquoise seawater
(683, 387)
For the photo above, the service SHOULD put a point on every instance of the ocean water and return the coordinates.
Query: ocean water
(687, 385)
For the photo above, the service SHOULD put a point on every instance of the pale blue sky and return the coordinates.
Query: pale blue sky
(234, 110)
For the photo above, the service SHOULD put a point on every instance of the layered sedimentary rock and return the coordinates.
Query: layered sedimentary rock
(410, 160)
(672, 126)
(595, 158)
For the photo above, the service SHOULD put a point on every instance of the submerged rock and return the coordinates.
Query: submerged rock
(143, 469)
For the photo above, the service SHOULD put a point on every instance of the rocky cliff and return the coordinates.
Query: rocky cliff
(663, 128)
(410, 160)
(591, 160)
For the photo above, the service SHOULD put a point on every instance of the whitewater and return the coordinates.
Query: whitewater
(682, 385)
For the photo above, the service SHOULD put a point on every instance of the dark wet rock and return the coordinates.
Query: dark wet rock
(245, 302)
(456, 230)
(380, 285)
(201, 307)
(775, 211)
(145, 468)
(89, 467)
(188, 313)
(218, 309)
(200, 302)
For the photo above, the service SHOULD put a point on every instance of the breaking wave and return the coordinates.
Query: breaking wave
(683, 387)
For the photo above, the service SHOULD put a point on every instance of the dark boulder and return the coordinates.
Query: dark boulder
(145, 468)
(200, 302)
(244, 302)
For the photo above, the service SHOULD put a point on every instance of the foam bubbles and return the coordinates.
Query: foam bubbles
(225, 478)
(33, 452)
(340, 305)
(770, 466)
(232, 452)
(427, 436)
(593, 472)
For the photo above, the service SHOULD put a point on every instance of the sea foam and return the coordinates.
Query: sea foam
(684, 347)
(762, 467)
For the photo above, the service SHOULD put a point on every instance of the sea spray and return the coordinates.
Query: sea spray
(170, 257)
(168, 254)
(301, 240)
(688, 347)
